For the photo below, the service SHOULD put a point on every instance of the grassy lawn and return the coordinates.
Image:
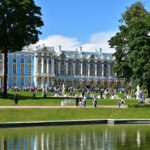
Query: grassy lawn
(57, 102)
(11, 115)
(25, 99)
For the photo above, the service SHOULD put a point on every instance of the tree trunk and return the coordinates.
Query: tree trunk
(5, 73)
(148, 89)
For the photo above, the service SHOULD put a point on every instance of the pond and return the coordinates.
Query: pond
(84, 137)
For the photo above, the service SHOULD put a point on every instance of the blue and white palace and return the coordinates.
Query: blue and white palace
(40, 66)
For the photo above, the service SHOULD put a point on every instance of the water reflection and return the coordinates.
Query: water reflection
(76, 138)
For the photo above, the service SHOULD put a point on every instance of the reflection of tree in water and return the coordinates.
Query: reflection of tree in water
(77, 138)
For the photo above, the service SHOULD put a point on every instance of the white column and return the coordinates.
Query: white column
(59, 67)
(102, 69)
(95, 68)
(52, 65)
(47, 63)
(88, 68)
(35, 69)
(81, 67)
(66, 62)
(42, 68)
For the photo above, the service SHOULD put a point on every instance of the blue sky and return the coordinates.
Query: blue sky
(86, 23)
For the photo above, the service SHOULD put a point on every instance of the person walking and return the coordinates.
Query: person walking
(119, 104)
(122, 103)
(84, 101)
(16, 99)
(94, 101)
(77, 101)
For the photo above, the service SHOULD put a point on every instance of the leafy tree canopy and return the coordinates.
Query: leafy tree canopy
(132, 45)
(19, 26)
(19, 23)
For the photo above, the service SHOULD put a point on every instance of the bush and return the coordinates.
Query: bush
(139, 106)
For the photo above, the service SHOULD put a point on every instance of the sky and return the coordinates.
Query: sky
(81, 23)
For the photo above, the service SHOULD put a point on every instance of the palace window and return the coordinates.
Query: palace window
(92, 69)
(29, 81)
(77, 68)
(22, 68)
(70, 68)
(85, 68)
(45, 66)
(99, 68)
(1, 66)
(29, 69)
(29, 59)
(22, 81)
(105, 70)
(22, 59)
(39, 60)
(49, 66)
(14, 81)
(111, 71)
(62, 68)
(14, 69)
(14, 59)
(56, 66)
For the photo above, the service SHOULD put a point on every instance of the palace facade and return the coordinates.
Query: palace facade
(44, 66)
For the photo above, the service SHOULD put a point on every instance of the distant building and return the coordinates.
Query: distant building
(44, 66)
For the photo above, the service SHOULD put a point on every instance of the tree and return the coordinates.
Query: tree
(132, 45)
(20, 21)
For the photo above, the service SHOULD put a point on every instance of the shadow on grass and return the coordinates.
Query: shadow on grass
(29, 96)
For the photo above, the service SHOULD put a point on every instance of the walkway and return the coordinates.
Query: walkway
(19, 107)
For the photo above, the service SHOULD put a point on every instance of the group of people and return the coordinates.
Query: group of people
(83, 101)
(121, 103)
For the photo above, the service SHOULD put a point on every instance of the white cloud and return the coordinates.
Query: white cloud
(100, 40)
(97, 40)
(67, 43)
